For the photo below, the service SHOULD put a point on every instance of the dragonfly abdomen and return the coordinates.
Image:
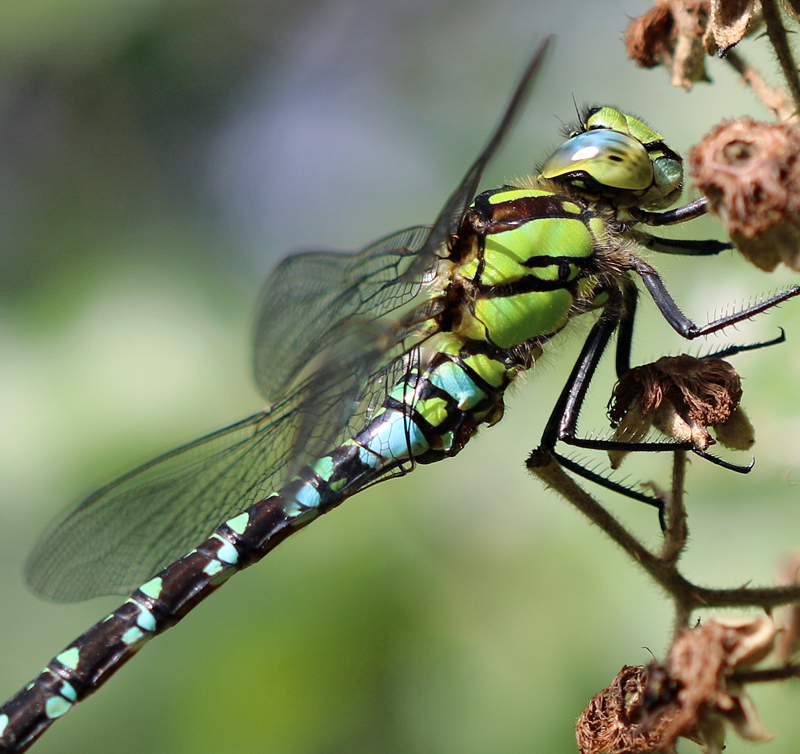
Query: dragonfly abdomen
(429, 414)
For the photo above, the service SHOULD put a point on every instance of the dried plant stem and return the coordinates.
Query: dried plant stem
(677, 530)
(782, 673)
(686, 595)
(778, 38)
(774, 98)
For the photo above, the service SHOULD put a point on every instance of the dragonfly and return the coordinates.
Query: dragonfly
(372, 362)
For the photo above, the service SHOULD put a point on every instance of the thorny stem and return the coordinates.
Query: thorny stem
(790, 670)
(677, 532)
(686, 595)
(777, 36)
(773, 98)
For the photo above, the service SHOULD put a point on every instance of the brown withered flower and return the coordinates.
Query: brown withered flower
(702, 662)
(729, 22)
(612, 723)
(694, 695)
(682, 396)
(671, 34)
(750, 173)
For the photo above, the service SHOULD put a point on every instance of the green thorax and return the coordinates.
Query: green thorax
(526, 256)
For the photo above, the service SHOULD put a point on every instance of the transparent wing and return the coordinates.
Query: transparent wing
(449, 219)
(321, 329)
(310, 297)
(130, 529)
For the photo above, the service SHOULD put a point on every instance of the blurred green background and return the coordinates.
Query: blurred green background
(157, 158)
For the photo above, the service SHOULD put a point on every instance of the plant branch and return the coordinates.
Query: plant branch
(778, 38)
(686, 595)
(782, 673)
(773, 98)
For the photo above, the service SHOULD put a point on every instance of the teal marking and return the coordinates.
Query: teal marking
(223, 577)
(146, 619)
(68, 691)
(292, 509)
(367, 458)
(402, 435)
(227, 553)
(457, 383)
(324, 467)
(307, 516)
(3, 723)
(213, 567)
(132, 635)
(239, 523)
(396, 435)
(70, 658)
(308, 496)
(152, 588)
(56, 706)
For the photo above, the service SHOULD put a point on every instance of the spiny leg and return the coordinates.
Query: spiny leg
(685, 326)
(684, 247)
(562, 424)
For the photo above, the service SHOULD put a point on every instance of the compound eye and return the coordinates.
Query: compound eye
(610, 158)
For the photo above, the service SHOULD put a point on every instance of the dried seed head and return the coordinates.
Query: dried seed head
(693, 695)
(701, 662)
(682, 397)
(612, 721)
(671, 34)
(729, 22)
(750, 173)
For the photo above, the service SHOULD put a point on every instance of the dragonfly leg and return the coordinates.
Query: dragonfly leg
(684, 247)
(563, 421)
(681, 323)
(694, 209)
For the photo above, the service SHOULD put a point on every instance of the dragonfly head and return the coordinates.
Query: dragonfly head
(617, 156)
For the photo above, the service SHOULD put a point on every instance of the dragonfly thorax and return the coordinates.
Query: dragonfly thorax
(530, 255)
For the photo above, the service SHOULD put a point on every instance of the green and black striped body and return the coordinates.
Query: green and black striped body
(523, 264)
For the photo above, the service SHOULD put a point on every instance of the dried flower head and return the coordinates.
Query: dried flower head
(750, 173)
(682, 396)
(702, 662)
(612, 723)
(671, 34)
(729, 22)
(693, 695)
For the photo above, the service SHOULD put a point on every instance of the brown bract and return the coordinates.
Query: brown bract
(611, 724)
(682, 396)
(701, 663)
(750, 173)
(671, 34)
(729, 21)
(693, 695)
